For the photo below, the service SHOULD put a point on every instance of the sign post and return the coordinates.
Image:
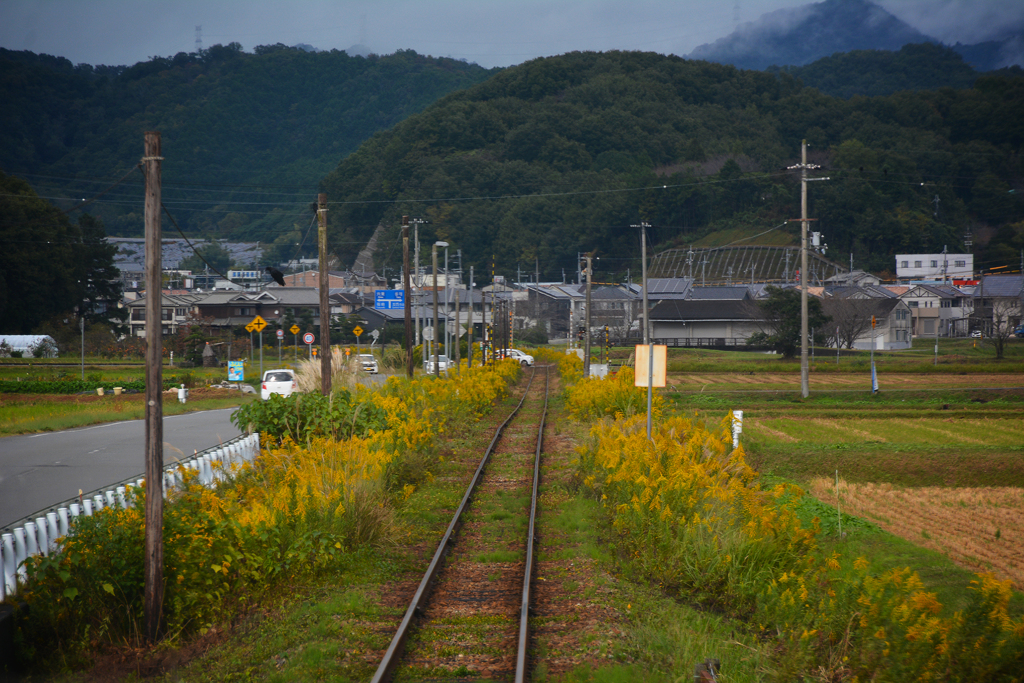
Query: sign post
(258, 324)
(308, 339)
(358, 331)
(280, 336)
(294, 329)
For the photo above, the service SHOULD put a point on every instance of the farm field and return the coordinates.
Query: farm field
(935, 459)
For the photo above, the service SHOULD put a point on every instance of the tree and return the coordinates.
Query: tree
(780, 318)
(41, 272)
(99, 280)
(851, 318)
(214, 254)
(1006, 314)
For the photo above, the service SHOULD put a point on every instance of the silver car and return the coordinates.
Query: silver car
(369, 363)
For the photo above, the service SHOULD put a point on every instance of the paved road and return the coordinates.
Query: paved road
(39, 470)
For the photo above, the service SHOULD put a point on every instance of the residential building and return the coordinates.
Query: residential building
(998, 304)
(936, 267)
(175, 311)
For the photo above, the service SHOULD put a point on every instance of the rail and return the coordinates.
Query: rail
(387, 665)
(40, 532)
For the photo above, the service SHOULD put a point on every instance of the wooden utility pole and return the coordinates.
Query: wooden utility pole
(408, 297)
(804, 368)
(325, 305)
(154, 558)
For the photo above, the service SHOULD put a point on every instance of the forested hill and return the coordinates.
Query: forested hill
(921, 66)
(246, 136)
(563, 154)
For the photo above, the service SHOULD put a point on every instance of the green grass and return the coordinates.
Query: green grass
(41, 415)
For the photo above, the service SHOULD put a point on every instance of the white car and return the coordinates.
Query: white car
(369, 363)
(525, 359)
(280, 382)
(442, 364)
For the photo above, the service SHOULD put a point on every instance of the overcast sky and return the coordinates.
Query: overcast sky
(488, 32)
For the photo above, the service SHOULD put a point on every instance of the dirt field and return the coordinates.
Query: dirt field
(981, 529)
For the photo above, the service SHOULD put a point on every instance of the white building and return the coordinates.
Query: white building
(912, 267)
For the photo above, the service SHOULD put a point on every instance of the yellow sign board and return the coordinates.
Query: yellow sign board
(258, 323)
(251, 327)
(357, 330)
(294, 329)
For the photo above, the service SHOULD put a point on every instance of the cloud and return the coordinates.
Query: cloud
(963, 21)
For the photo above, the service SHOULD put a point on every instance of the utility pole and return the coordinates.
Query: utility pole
(408, 297)
(457, 335)
(325, 308)
(647, 328)
(586, 345)
(469, 346)
(419, 288)
(154, 558)
(804, 369)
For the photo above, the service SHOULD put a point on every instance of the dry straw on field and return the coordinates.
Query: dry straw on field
(981, 529)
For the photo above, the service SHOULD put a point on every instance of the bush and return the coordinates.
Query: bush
(301, 417)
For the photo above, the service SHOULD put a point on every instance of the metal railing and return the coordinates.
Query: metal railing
(38, 533)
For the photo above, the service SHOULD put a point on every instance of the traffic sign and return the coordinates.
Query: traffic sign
(280, 334)
(307, 338)
(358, 331)
(384, 299)
(428, 333)
(294, 329)
(258, 323)
(250, 328)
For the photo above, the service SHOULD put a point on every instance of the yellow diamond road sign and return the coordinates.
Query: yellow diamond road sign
(294, 329)
(258, 323)
(251, 327)
(357, 330)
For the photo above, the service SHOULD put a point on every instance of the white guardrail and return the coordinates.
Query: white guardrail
(39, 533)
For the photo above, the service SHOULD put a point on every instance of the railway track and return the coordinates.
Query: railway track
(475, 595)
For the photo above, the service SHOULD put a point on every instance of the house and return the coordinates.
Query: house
(935, 267)
(998, 304)
(705, 322)
(230, 309)
(855, 278)
(175, 310)
(938, 310)
(852, 320)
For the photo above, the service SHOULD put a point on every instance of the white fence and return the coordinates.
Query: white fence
(39, 533)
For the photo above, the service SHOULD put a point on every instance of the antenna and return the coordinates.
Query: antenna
(199, 38)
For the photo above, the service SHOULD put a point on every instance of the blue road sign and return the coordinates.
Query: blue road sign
(384, 299)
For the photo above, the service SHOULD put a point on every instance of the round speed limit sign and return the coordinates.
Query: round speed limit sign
(308, 338)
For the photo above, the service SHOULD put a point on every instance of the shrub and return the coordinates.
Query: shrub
(301, 417)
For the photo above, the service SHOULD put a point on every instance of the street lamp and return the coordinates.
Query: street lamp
(433, 256)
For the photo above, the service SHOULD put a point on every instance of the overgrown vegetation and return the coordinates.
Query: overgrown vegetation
(692, 516)
(296, 511)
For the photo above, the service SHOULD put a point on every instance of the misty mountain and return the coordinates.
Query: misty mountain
(994, 54)
(871, 73)
(800, 35)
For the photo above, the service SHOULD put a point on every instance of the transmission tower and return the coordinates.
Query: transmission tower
(199, 38)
